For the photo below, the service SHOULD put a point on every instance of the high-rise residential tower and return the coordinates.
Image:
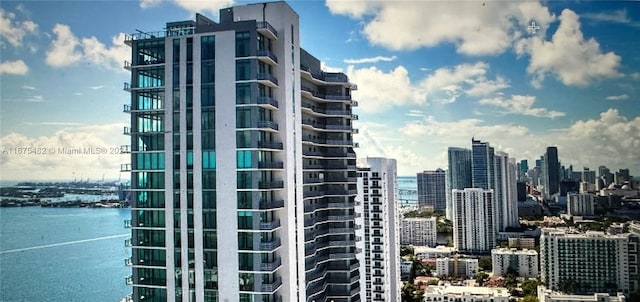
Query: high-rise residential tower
(591, 262)
(458, 174)
(242, 164)
(473, 220)
(505, 192)
(376, 212)
(432, 189)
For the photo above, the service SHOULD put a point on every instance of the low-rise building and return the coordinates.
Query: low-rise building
(466, 293)
(547, 295)
(524, 243)
(524, 263)
(440, 251)
(456, 267)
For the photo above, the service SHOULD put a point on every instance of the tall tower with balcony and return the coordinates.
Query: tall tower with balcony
(242, 164)
(379, 221)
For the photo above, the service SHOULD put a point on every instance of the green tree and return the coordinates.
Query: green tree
(530, 287)
(481, 277)
(406, 251)
(411, 293)
(530, 298)
(485, 263)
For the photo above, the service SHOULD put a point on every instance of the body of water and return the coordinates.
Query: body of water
(63, 254)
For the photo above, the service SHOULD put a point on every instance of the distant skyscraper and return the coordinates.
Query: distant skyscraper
(621, 176)
(473, 220)
(605, 174)
(432, 189)
(482, 166)
(377, 195)
(523, 167)
(588, 176)
(550, 172)
(459, 174)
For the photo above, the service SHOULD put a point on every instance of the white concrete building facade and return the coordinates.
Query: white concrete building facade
(524, 263)
(379, 229)
(418, 231)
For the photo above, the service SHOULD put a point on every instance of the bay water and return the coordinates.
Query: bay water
(63, 254)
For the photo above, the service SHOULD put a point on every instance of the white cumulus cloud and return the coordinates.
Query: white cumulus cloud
(609, 139)
(55, 164)
(474, 27)
(149, 3)
(573, 59)
(521, 104)
(617, 97)
(14, 31)
(375, 59)
(63, 50)
(211, 6)
(17, 67)
(67, 49)
(379, 90)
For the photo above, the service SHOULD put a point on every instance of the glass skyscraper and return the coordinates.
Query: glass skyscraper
(458, 175)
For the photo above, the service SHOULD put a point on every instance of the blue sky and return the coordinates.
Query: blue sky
(430, 75)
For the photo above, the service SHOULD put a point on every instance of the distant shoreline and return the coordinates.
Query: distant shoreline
(16, 203)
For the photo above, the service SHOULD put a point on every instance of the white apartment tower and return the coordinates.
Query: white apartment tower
(522, 262)
(418, 231)
(378, 218)
(585, 263)
(580, 204)
(506, 196)
(473, 220)
(242, 164)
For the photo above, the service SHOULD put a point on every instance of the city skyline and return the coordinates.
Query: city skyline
(62, 78)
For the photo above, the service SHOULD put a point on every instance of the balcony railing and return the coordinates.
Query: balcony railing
(270, 165)
(263, 76)
(264, 25)
(127, 65)
(128, 280)
(268, 124)
(271, 184)
(271, 287)
(127, 87)
(265, 100)
(271, 266)
(126, 130)
(125, 168)
(267, 226)
(127, 223)
(126, 108)
(270, 145)
(125, 149)
(127, 243)
(269, 54)
(271, 204)
(270, 246)
(128, 262)
(342, 256)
